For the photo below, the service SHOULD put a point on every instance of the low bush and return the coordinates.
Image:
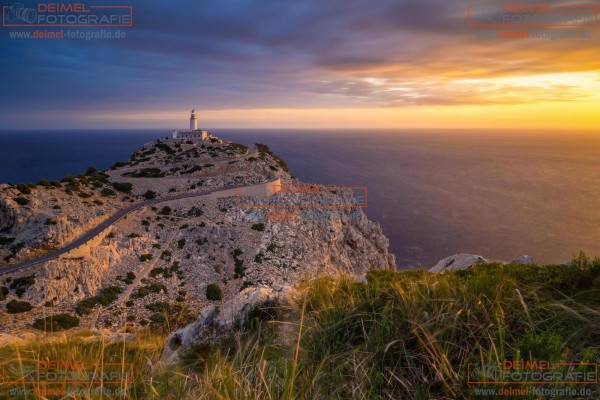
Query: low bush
(5, 240)
(23, 188)
(3, 293)
(147, 173)
(239, 270)
(123, 187)
(107, 192)
(22, 201)
(214, 292)
(166, 210)
(258, 227)
(129, 278)
(149, 195)
(105, 297)
(84, 195)
(17, 307)
(145, 257)
(20, 285)
(144, 291)
(55, 323)
(165, 255)
(195, 212)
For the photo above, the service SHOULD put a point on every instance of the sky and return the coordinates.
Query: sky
(310, 64)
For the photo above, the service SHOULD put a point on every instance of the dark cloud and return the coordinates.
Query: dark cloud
(273, 53)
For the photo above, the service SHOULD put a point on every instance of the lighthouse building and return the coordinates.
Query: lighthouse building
(193, 134)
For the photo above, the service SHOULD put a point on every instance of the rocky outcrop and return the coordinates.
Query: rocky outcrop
(215, 320)
(250, 243)
(523, 260)
(458, 262)
(466, 261)
(8, 217)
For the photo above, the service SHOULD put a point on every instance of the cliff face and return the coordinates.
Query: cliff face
(169, 253)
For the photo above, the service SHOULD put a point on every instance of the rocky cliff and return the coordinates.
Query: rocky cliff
(164, 263)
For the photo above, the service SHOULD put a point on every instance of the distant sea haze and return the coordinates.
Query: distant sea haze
(436, 193)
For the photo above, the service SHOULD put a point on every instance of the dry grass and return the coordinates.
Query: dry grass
(400, 335)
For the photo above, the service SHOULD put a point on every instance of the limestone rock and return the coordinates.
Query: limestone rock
(223, 318)
(457, 262)
(523, 260)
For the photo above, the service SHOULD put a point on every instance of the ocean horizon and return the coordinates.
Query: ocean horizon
(499, 194)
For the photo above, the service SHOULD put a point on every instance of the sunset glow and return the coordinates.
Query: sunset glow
(421, 65)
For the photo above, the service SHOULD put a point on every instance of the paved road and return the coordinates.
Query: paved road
(51, 255)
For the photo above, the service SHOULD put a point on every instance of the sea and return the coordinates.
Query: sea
(500, 194)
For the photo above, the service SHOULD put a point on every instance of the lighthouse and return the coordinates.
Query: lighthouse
(193, 134)
(193, 121)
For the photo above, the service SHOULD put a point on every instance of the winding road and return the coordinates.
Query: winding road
(95, 231)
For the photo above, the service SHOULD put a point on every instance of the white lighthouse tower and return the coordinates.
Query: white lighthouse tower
(193, 121)
(194, 134)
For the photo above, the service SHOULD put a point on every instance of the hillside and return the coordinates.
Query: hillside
(409, 335)
(190, 225)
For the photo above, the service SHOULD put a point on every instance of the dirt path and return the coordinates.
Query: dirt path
(92, 233)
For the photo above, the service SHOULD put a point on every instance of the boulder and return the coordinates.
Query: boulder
(457, 262)
(220, 319)
(523, 260)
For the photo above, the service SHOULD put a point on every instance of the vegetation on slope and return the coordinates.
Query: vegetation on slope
(408, 335)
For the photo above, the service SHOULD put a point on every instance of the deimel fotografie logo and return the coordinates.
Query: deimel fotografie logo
(18, 15)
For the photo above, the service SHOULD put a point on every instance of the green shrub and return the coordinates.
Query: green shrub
(3, 293)
(144, 291)
(195, 212)
(129, 278)
(166, 210)
(165, 147)
(239, 263)
(123, 187)
(149, 195)
(163, 307)
(22, 201)
(105, 297)
(5, 240)
(20, 285)
(258, 227)
(147, 173)
(24, 189)
(239, 269)
(214, 292)
(145, 257)
(181, 243)
(159, 271)
(55, 323)
(16, 307)
(50, 221)
(106, 192)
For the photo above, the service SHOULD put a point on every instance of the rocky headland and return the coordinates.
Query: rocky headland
(201, 224)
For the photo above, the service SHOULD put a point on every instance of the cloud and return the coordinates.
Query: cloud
(271, 53)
